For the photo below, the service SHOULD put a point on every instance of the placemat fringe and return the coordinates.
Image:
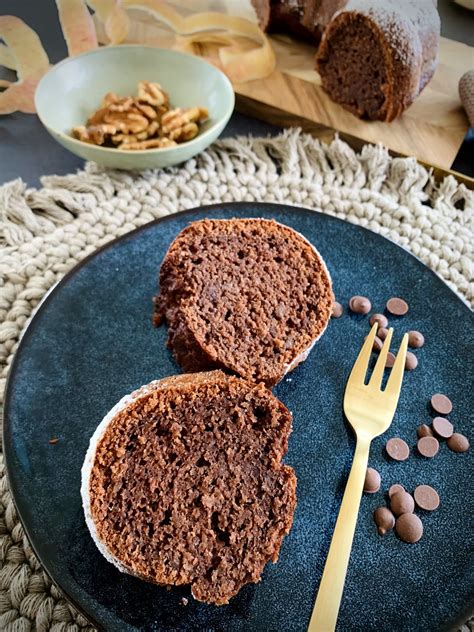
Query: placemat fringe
(288, 158)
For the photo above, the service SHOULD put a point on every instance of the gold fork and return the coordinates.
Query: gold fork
(370, 412)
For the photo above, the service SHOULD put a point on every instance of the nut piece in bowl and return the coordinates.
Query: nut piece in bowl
(73, 89)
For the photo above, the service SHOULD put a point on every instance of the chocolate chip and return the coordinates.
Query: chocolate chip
(397, 449)
(441, 404)
(411, 361)
(415, 339)
(378, 344)
(360, 305)
(402, 503)
(397, 306)
(390, 361)
(426, 497)
(409, 528)
(337, 310)
(372, 481)
(395, 489)
(458, 443)
(382, 333)
(381, 319)
(424, 431)
(428, 446)
(384, 519)
(443, 427)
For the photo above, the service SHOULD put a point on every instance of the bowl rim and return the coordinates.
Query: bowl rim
(131, 152)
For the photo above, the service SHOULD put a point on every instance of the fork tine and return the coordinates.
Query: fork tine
(394, 383)
(361, 364)
(377, 374)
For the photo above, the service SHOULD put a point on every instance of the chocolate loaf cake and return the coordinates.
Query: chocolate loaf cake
(376, 57)
(247, 295)
(183, 483)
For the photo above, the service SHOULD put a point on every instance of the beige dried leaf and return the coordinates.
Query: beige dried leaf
(77, 26)
(23, 47)
(114, 17)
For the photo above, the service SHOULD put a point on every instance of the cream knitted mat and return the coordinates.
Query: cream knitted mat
(44, 232)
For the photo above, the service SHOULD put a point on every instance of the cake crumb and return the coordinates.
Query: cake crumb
(184, 601)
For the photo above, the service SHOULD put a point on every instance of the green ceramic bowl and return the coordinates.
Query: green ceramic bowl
(74, 88)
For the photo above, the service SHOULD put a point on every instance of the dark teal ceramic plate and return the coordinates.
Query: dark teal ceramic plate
(92, 341)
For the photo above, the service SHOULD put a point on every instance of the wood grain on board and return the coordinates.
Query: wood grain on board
(432, 129)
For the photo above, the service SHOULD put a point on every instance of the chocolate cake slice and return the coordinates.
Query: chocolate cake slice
(250, 296)
(183, 483)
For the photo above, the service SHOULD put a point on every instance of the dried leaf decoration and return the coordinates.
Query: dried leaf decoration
(236, 61)
(239, 63)
(77, 25)
(243, 52)
(114, 17)
(6, 58)
(25, 54)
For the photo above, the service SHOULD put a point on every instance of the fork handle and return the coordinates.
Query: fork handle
(328, 600)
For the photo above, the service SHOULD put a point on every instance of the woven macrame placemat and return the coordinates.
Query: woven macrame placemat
(44, 232)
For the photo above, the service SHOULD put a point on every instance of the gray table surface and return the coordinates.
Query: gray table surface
(27, 150)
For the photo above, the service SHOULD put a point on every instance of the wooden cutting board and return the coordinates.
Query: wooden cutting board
(432, 129)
